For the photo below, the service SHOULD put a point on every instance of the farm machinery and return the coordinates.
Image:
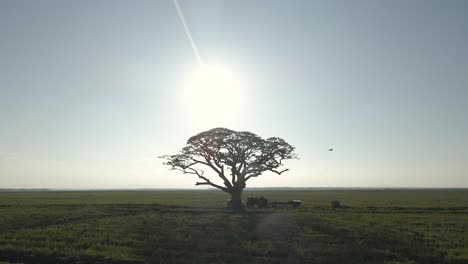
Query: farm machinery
(262, 202)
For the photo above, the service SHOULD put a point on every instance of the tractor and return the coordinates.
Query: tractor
(262, 202)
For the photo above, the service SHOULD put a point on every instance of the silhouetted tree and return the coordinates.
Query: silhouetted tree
(234, 156)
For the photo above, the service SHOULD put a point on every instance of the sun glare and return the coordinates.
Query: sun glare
(213, 95)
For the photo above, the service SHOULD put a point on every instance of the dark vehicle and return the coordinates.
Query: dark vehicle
(294, 203)
(260, 202)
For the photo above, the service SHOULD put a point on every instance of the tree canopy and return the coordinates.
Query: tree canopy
(234, 156)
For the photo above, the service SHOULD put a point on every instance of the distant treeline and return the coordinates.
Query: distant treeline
(24, 190)
(247, 189)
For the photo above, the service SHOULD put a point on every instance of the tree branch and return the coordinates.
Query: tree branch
(233, 177)
(220, 174)
(209, 164)
(206, 180)
(278, 172)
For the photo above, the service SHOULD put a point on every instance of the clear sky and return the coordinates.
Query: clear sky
(92, 92)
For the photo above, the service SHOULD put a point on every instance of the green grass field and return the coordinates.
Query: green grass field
(394, 226)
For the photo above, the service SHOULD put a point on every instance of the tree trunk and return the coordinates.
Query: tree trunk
(236, 200)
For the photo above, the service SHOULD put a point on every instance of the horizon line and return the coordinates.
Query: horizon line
(246, 189)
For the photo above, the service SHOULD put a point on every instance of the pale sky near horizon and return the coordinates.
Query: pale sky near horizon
(92, 92)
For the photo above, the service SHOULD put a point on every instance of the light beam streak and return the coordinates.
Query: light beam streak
(189, 35)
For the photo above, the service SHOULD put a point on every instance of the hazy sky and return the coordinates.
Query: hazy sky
(92, 92)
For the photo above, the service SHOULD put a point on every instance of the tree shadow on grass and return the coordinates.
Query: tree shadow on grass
(197, 236)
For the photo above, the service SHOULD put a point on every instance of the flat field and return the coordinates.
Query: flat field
(388, 226)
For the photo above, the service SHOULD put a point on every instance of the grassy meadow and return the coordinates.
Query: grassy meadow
(388, 226)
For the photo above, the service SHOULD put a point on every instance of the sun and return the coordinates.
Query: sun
(213, 95)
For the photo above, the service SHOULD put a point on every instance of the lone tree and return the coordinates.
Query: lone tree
(234, 156)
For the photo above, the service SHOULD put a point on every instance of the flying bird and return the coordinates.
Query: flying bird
(330, 149)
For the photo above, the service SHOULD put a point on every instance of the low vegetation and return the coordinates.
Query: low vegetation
(394, 226)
